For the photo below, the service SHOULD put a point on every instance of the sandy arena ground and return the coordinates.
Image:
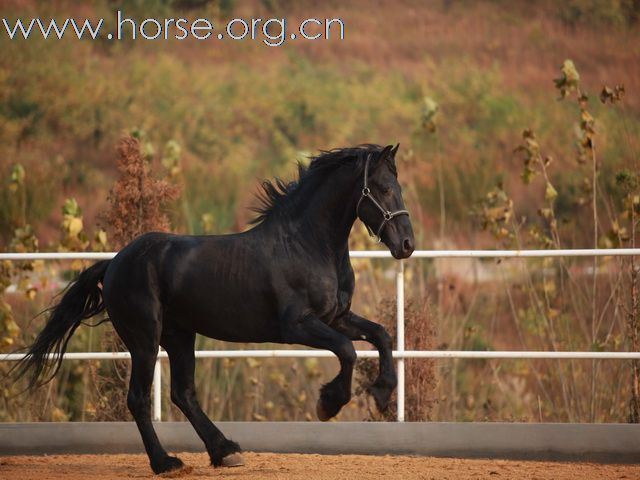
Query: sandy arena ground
(307, 467)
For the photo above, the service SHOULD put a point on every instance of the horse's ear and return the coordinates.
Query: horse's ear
(386, 152)
(384, 155)
(394, 150)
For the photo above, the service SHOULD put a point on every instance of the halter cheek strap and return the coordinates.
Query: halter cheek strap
(387, 215)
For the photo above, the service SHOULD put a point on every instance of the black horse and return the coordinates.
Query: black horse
(286, 280)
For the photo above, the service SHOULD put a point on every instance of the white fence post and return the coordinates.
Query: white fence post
(157, 391)
(400, 337)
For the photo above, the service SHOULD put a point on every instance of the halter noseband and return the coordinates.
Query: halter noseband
(387, 215)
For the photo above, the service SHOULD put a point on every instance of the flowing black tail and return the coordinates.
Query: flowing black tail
(82, 300)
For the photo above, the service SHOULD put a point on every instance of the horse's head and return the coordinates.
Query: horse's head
(381, 207)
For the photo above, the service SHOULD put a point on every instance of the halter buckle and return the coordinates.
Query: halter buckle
(366, 191)
(387, 215)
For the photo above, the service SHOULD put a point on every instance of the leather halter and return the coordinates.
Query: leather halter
(387, 215)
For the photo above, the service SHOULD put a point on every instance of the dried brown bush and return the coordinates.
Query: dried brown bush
(137, 199)
(420, 383)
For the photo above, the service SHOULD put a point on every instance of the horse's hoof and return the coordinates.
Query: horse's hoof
(180, 472)
(323, 416)
(381, 396)
(170, 467)
(233, 460)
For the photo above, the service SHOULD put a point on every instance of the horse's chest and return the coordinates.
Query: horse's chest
(329, 299)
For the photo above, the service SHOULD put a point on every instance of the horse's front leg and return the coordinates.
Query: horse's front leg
(313, 332)
(356, 327)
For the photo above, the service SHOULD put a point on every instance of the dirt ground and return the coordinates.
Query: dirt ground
(269, 466)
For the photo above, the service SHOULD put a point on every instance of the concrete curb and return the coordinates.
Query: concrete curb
(608, 443)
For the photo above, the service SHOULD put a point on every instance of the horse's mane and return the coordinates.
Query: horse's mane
(276, 195)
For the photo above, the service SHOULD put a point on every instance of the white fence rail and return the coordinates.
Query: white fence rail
(400, 353)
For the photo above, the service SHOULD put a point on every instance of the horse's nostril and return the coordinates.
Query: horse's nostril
(407, 245)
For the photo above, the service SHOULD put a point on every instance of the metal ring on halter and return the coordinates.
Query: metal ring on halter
(387, 215)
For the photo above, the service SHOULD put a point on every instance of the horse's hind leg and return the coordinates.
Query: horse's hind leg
(139, 403)
(179, 345)
(138, 325)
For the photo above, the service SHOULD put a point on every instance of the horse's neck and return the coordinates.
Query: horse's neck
(330, 213)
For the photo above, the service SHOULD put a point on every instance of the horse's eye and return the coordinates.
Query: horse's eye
(386, 190)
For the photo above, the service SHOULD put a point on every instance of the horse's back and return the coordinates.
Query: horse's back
(214, 285)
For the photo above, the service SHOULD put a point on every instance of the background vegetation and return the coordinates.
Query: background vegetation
(456, 83)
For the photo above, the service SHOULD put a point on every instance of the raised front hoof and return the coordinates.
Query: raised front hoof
(321, 413)
(381, 395)
(233, 460)
(168, 466)
(324, 412)
(332, 399)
